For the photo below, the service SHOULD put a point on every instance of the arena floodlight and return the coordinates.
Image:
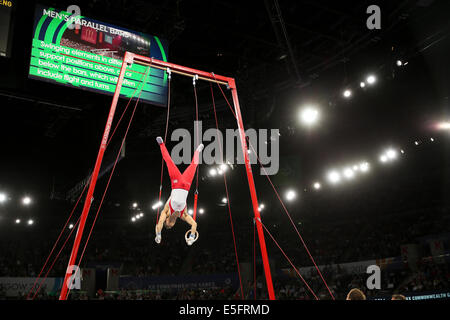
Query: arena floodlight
(371, 79)
(362, 84)
(223, 167)
(141, 215)
(391, 154)
(190, 212)
(334, 177)
(384, 158)
(262, 206)
(443, 125)
(201, 211)
(432, 139)
(347, 93)
(364, 167)
(17, 221)
(26, 201)
(349, 173)
(133, 219)
(3, 197)
(399, 63)
(317, 186)
(212, 172)
(224, 200)
(71, 226)
(135, 205)
(309, 116)
(30, 222)
(290, 195)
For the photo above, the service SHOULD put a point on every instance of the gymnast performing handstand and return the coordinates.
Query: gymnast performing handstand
(175, 206)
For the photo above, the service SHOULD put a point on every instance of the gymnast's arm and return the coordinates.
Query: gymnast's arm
(188, 219)
(162, 218)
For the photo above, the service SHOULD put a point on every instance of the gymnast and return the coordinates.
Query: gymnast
(175, 206)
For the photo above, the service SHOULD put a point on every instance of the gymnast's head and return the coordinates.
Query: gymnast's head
(171, 220)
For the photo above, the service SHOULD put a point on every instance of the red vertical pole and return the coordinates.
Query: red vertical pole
(90, 193)
(195, 206)
(251, 184)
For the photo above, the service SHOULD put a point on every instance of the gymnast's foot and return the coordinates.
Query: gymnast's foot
(159, 140)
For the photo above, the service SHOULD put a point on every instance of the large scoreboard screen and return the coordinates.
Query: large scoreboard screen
(6, 12)
(73, 50)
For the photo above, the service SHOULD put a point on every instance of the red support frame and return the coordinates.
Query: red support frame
(129, 59)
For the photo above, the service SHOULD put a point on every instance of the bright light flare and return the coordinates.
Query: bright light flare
(349, 173)
(371, 79)
(3, 197)
(334, 177)
(443, 125)
(347, 93)
(26, 201)
(30, 222)
(364, 167)
(290, 195)
(309, 116)
(317, 186)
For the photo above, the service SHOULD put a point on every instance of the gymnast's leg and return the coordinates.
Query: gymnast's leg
(188, 174)
(174, 173)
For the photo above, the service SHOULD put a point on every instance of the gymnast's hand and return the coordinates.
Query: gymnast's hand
(158, 238)
(191, 239)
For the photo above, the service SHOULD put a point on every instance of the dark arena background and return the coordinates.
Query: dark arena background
(349, 102)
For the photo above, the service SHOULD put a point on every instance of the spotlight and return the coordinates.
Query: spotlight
(17, 221)
(213, 172)
(362, 84)
(141, 215)
(364, 167)
(347, 93)
(201, 211)
(3, 197)
(26, 201)
(334, 177)
(402, 151)
(223, 167)
(371, 79)
(349, 173)
(30, 222)
(71, 226)
(355, 168)
(262, 206)
(384, 158)
(135, 205)
(309, 116)
(190, 212)
(443, 125)
(317, 186)
(391, 154)
(137, 217)
(431, 139)
(416, 143)
(290, 195)
(399, 63)
(133, 219)
(224, 200)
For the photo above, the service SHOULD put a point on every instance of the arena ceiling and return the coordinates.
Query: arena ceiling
(282, 53)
